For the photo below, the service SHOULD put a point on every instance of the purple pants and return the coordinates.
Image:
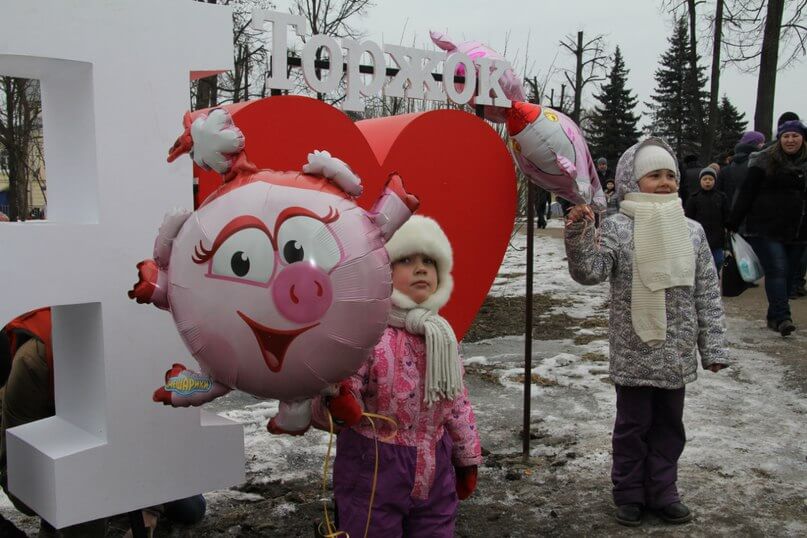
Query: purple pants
(648, 440)
(395, 512)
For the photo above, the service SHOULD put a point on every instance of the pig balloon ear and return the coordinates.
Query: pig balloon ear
(443, 41)
(217, 142)
(321, 163)
(393, 207)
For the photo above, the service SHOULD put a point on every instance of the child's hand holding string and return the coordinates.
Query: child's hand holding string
(579, 213)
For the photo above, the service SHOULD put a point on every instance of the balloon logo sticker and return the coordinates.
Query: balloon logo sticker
(550, 116)
(188, 383)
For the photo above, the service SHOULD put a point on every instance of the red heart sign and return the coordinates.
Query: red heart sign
(453, 161)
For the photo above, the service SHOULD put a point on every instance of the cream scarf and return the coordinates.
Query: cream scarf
(663, 258)
(443, 372)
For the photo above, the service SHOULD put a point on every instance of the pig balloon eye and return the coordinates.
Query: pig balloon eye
(307, 239)
(246, 255)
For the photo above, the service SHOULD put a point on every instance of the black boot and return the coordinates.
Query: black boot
(675, 513)
(782, 326)
(786, 327)
(629, 515)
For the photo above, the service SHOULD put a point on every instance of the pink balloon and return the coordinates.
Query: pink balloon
(552, 152)
(279, 284)
(511, 83)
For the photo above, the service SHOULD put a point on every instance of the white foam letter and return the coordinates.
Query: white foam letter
(326, 83)
(355, 86)
(450, 68)
(490, 71)
(279, 23)
(415, 68)
(112, 104)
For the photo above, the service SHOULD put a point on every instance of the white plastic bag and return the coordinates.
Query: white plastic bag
(747, 261)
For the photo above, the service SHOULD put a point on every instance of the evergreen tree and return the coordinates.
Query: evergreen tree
(612, 125)
(731, 124)
(672, 107)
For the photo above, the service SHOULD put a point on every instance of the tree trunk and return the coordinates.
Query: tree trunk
(714, 89)
(768, 63)
(697, 105)
(206, 92)
(17, 187)
(578, 79)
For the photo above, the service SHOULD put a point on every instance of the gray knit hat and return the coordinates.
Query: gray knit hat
(708, 171)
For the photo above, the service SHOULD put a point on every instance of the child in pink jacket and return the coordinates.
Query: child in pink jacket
(413, 376)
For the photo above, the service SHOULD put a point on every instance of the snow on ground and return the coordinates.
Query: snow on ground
(743, 469)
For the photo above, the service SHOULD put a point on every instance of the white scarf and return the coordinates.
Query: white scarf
(663, 258)
(443, 372)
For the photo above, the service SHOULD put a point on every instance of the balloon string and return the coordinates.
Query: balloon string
(370, 417)
(330, 531)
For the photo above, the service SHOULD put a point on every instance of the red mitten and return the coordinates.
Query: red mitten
(147, 274)
(466, 481)
(344, 407)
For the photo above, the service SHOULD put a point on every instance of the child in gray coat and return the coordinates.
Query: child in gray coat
(665, 304)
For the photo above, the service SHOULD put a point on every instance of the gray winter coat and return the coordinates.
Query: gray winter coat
(694, 314)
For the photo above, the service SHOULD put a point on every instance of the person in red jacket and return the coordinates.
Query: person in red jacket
(27, 396)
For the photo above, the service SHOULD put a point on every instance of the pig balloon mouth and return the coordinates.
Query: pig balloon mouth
(273, 342)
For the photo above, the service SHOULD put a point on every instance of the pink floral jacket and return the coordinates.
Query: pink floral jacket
(391, 383)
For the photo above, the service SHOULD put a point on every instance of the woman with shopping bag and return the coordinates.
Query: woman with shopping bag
(773, 200)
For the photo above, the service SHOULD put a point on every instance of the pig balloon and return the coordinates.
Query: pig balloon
(551, 151)
(511, 84)
(279, 284)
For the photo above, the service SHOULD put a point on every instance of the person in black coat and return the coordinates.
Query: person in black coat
(710, 208)
(543, 200)
(732, 176)
(773, 202)
(690, 178)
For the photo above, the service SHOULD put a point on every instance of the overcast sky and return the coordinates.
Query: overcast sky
(639, 27)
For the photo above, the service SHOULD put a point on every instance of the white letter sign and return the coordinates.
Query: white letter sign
(114, 79)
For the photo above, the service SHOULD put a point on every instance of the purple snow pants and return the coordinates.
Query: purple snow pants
(648, 440)
(395, 512)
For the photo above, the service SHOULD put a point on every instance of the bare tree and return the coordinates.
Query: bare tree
(249, 61)
(765, 35)
(20, 139)
(705, 134)
(590, 66)
(334, 18)
(714, 79)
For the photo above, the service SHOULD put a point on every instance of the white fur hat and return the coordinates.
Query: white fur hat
(422, 235)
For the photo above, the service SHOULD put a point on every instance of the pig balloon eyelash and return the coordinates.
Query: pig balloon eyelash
(201, 254)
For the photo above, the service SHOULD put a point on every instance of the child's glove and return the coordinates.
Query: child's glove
(344, 407)
(466, 481)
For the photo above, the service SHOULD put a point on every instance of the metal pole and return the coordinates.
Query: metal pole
(528, 319)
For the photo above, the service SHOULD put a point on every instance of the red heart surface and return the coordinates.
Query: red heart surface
(454, 162)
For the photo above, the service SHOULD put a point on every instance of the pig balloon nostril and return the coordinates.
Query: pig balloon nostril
(319, 289)
(294, 298)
